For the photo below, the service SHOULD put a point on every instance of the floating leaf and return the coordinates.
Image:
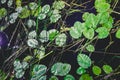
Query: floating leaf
(96, 70)
(102, 32)
(80, 71)
(60, 39)
(27, 58)
(3, 12)
(13, 17)
(101, 5)
(33, 5)
(85, 16)
(58, 5)
(25, 65)
(19, 74)
(79, 26)
(24, 13)
(44, 36)
(99, 1)
(42, 78)
(107, 69)
(18, 3)
(69, 77)
(32, 43)
(32, 34)
(60, 69)
(52, 34)
(38, 72)
(53, 78)
(17, 65)
(91, 21)
(83, 60)
(55, 11)
(103, 17)
(54, 18)
(41, 16)
(10, 2)
(109, 23)
(46, 8)
(86, 77)
(18, 9)
(39, 53)
(20, 68)
(74, 33)
(89, 34)
(90, 48)
(118, 34)
(31, 23)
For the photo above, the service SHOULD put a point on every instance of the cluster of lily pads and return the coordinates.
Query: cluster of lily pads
(95, 25)
(61, 69)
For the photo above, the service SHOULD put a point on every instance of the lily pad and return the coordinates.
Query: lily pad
(83, 60)
(38, 72)
(60, 69)
(107, 69)
(75, 33)
(96, 70)
(61, 39)
(90, 48)
(58, 5)
(102, 32)
(89, 34)
(80, 71)
(45, 8)
(69, 77)
(86, 77)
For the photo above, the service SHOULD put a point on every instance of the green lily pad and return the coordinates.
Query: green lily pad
(54, 18)
(90, 48)
(80, 26)
(58, 5)
(89, 34)
(86, 77)
(75, 33)
(44, 36)
(107, 69)
(103, 32)
(60, 69)
(19, 74)
(103, 17)
(69, 77)
(3, 12)
(39, 53)
(101, 5)
(80, 71)
(83, 60)
(24, 13)
(33, 5)
(96, 70)
(61, 39)
(33, 43)
(52, 34)
(41, 16)
(53, 78)
(39, 70)
(45, 8)
(85, 16)
(91, 21)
